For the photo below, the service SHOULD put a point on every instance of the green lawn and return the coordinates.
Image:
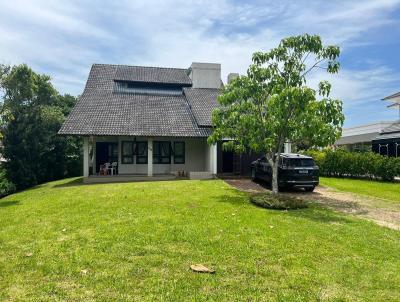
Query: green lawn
(385, 190)
(136, 241)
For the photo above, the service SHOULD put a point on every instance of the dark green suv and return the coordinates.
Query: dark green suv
(295, 170)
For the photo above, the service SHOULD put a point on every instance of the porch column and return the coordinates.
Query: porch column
(85, 157)
(150, 157)
(213, 158)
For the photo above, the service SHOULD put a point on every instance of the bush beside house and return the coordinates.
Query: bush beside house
(342, 163)
(6, 187)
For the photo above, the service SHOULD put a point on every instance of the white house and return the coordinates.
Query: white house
(150, 122)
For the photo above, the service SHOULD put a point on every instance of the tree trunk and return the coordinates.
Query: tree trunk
(275, 187)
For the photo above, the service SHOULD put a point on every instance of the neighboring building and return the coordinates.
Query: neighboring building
(395, 99)
(380, 137)
(151, 121)
(388, 141)
(360, 138)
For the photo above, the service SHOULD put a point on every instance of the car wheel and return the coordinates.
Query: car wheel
(310, 189)
(253, 174)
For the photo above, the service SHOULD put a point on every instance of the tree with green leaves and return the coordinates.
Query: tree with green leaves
(31, 114)
(272, 104)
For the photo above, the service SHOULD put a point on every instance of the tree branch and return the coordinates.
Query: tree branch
(305, 58)
(312, 67)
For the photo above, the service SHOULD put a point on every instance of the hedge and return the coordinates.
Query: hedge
(342, 163)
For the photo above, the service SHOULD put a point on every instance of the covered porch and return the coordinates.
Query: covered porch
(93, 179)
(128, 158)
(387, 144)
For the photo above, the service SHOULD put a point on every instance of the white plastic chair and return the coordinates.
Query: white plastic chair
(113, 168)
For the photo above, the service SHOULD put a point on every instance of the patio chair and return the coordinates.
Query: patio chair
(104, 169)
(113, 168)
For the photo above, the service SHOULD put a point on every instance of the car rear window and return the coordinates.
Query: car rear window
(299, 162)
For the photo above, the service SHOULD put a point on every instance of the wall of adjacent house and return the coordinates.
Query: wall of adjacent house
(195, 156)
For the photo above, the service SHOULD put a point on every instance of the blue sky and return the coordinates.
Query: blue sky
(63, 39)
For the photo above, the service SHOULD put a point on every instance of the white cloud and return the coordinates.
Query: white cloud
(63, 38)
(356, 87)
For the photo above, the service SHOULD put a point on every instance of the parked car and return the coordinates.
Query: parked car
(295, 170)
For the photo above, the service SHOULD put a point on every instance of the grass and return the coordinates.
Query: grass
(378, 189)
(64, 241)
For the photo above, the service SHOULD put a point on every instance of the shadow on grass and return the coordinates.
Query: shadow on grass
(314, 212)
(71, 183)
(239, 198)
(319, 214)
(4, 204)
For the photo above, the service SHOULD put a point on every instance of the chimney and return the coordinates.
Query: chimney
(232, 76)
(205, 75)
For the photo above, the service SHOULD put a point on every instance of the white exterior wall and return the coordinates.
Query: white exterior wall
(195, 156)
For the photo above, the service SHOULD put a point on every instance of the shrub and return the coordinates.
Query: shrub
(6, 187)
(342, 163)
(278, 202)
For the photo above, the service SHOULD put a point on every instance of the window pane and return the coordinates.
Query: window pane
(127, 160)
(114, 150)
(141, 150)
(178, 148)
(141, 160)
(305, 162)
(162, 152)
(127, 153)
(127, 148)
(179, 160)
(156, 148)
(179, 152)
(165, 149)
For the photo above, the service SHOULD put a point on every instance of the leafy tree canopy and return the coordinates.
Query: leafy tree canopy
(272, 104)
(32, 112)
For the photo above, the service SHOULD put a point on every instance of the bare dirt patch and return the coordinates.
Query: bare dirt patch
(246, 185)
(357, 205)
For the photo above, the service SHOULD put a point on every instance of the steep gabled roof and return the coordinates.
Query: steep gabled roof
(102, 111)
(202, 101)
(127, 114)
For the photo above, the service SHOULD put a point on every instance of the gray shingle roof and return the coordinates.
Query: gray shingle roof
(152, 75)
(202, 102)
(101, 111)
(355, 139)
